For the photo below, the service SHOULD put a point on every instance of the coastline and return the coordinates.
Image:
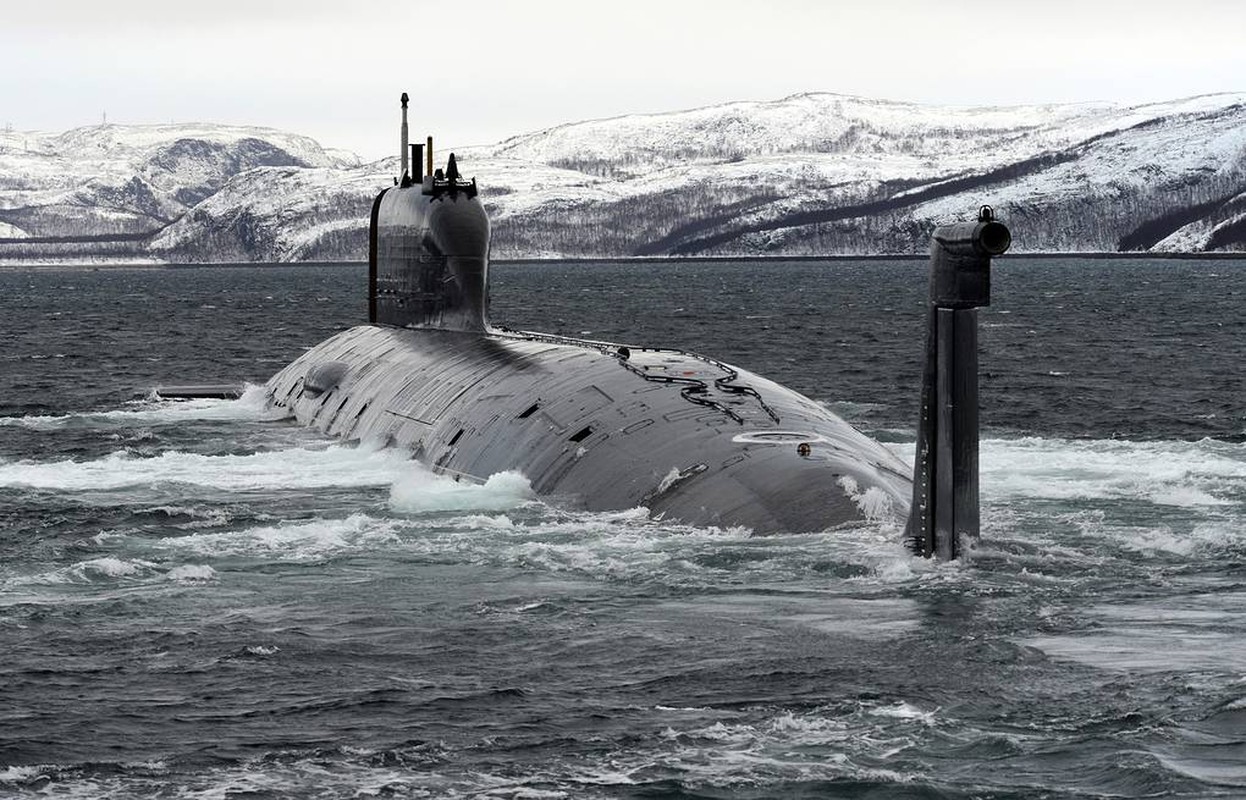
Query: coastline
(83, 265)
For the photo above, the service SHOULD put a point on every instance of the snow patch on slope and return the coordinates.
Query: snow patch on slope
(811, 173)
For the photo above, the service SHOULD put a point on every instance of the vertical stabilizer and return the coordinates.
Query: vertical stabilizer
(945, 471)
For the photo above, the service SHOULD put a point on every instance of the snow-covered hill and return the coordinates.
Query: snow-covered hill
(808, 174)
(279, 214)
(133, 179)
(832, 174)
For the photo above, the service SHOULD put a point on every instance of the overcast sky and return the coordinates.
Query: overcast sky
(481, 70)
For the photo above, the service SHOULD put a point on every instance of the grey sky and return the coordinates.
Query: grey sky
(481, 70)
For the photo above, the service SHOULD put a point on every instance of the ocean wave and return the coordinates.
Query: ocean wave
(191, 573)
(295, 468)
(153, 410)
(312, 540)
(500, 522)
(613, 546)
(419, 490)
(110, 570)
(1195, 635)
(778, 746)
(1208, 472)
(822, 744)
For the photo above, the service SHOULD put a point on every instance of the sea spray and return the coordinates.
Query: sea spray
(295, 468)
(420, 491)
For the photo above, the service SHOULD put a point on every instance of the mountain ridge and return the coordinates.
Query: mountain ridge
(811, 173)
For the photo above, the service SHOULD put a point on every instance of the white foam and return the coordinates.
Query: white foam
(1186, 497)
(620, 545)
(1173, 473)
(23, 773)
(285, 777)
(630, 546)
(295, 541)
(337, 465)
(201, 517)
(105, 569)
(419, 490)
(821, 744)
(752, 748)
(191, 573)
(252, 405)
(1206, 537)
(1207, 472)
(485, 521)
(874, 503)
(616, 544)
(905, 711)
(806, 729)
(623, 544)
(668, 480)
(109, 567)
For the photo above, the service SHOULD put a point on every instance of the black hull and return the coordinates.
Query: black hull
(662, 429)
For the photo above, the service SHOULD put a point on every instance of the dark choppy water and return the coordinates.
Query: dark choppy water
(196, 601)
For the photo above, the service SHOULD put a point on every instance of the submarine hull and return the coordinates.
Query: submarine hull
(598, 426)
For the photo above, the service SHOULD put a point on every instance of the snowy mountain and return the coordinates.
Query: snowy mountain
(831, 174)
(279, 214)
(808, 174)
(117, 183)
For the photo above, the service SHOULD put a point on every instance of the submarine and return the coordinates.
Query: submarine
(607, 426)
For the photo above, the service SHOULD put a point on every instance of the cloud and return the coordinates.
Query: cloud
(487, 69)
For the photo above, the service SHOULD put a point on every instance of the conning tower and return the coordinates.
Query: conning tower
(428, 247)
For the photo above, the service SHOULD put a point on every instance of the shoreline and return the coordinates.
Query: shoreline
(31, 266)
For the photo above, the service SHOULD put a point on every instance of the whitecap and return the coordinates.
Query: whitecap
(1185, 496)
(154, 410)
(1206, 537)
(421, 491)
(904, 711)
(95, 570)
(1177, 473)
(336, 465)
(293, 540)
(485, 521)
(109, 567)
(191, 573)
(23, 774)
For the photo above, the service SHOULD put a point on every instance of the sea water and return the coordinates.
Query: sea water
(201, 599)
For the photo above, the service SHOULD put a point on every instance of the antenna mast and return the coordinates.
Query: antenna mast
(404, 149)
